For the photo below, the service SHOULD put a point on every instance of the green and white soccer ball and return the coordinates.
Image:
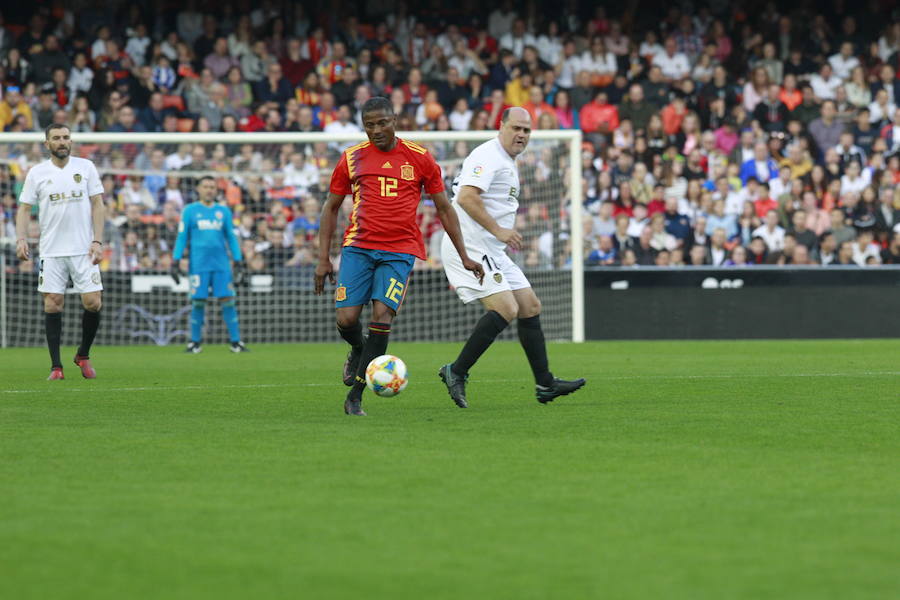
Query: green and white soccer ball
(386, 375)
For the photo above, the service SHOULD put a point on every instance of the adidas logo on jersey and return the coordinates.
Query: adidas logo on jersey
(387, 165)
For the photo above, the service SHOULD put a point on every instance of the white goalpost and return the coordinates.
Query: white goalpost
(258, 175)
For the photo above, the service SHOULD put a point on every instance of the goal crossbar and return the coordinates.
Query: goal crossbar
(572, 138)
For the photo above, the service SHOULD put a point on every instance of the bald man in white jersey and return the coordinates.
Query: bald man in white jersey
(69, 196)
(486, 198)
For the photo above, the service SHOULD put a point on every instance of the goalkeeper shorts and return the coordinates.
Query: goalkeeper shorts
(219, 282)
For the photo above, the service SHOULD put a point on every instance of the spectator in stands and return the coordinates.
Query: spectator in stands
(343, 124)
(845, 255)
(827, 249)
(135, 193)
(887, 216)
(636, 109)
(500, 74)
(330, 67)
(771, 112)
(864, 249)
(833, 151)
(324, 113)
(599, 116)
(274, 87)
(843, 63)
(770, 232)
(801, 233)
(17, 68)
(81, 118)
(344, 90)
(126, 122)
(826, 130)
(138, 44)
(761, 167)
(599, 62)
(238, 93)
(163, 74)
(604, 254)
(672, 64)
(255, 64)
(891, 254)
(49, 56)
(151, 117)
(219, 61)
(293, 64)
(824, 84)
(43, 113)
(517, 38)
(13, 105)
(698, 256)
(460, 116)
(719, 220)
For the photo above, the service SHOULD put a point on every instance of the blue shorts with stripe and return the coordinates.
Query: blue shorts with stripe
(372, 275)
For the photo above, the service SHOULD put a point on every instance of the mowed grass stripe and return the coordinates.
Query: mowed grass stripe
(683, 470)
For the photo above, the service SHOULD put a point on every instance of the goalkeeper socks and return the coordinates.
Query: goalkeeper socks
(198, 314)
(90, 322)
(229, 314)
(352, 335)
(376, 345)
(486, 331)
(53, 322)
(532, 338)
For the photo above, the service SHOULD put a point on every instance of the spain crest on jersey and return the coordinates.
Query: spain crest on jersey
(340, 293)
(407, 172)
(77, 177)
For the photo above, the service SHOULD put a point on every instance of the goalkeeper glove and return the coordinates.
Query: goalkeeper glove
(176, 273)
(240, 273)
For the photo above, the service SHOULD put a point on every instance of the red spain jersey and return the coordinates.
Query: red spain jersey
(386, 188)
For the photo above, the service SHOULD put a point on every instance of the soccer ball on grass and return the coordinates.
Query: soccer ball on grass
(386, 375)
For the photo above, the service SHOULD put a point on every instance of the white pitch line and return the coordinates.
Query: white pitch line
(249, 386)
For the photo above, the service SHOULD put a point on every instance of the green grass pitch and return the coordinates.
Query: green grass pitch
(683, 470)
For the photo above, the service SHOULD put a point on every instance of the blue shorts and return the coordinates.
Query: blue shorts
(372, 275)
(220, 281)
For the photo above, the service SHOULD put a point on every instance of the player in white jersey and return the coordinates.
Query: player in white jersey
(486, 197)
(69, 196)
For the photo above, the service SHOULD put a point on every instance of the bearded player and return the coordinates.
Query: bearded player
(69, 196)
(486, 197)
(386, 176)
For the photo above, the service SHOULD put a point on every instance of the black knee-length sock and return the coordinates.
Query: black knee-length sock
(376, 345)
(90, 322)
(53, 324)
(353, 334)
(531, 337)
(486, 331)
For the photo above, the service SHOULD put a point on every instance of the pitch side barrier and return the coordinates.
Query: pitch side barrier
(742, 302)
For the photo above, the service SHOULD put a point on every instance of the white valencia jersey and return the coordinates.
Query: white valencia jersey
(492, 170)
(63, 197)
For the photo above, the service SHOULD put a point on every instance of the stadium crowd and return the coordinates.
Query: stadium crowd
(721, 136)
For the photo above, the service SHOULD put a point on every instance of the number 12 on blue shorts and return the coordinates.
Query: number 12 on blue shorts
(367, 275)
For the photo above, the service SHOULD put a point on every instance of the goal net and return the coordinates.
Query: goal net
(276, 184)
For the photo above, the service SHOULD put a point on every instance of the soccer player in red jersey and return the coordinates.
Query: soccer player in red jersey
(385, 175)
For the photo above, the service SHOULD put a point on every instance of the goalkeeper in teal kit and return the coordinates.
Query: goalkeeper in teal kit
(208, 228)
